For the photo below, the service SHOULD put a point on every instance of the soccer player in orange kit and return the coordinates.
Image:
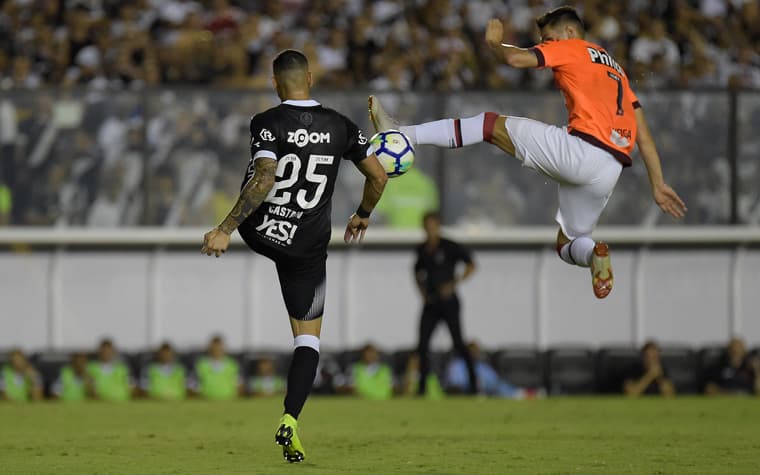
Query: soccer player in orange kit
(586, 157)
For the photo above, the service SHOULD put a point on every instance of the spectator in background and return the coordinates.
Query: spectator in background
(330, 379)
(74, 383)
(489, 382)
(408, 199)
(266, 381)
(19, 380)
(435, 273)
(649, 377)
(218, 375)
(110, 375)
(6, 203)
(371, 378)
(736, 373)
(411, 381)
(164, 379)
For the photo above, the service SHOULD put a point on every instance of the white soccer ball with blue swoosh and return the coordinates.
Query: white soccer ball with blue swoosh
(394, 151)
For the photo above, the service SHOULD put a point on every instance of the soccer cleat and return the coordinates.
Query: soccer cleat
(380, 119)
(287, 438)
(601, 270)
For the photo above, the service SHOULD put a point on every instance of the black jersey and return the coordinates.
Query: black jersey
(308, 141)
(436, 268)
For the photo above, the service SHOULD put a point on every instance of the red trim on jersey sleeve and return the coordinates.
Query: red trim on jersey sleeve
(539, 56)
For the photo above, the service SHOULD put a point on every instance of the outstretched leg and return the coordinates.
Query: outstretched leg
(450, 133)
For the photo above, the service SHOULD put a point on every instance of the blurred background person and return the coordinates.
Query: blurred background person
(110, 375)
(165, 378)
(74, 383)
(489, 381)
(648, 376)
(410, 384)
(435, 273)
(330, 379)
(407, 199)
(218, 375)
(19, 380)
(370, 377)
(736, 373)
(266, 381)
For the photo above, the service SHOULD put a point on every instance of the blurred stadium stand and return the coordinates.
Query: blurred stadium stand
(175, 157)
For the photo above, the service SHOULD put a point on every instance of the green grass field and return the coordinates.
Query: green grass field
(455, 436)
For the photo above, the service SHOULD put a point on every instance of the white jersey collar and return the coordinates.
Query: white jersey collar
(301, 102)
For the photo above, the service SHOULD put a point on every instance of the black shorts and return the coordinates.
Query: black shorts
(303, 280)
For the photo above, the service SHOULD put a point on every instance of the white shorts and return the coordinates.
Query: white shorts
(586, 174)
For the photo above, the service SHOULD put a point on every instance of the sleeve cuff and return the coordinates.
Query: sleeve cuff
(264, 154)
(539, 56)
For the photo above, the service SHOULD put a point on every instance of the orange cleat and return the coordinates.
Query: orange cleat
(601, 270)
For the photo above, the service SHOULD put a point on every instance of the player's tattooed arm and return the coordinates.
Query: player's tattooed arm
(253, 194)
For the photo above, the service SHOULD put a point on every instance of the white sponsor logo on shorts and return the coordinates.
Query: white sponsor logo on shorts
(276, 230)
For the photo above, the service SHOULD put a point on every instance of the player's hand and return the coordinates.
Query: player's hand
(669, 201)
(494, 33)
(447, 290)
(215, 242)
(355, 229)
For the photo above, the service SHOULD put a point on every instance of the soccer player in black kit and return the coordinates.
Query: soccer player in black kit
(437, 259)
(283, 213)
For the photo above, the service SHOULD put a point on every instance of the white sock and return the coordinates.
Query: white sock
(307, 340)
(450, 133)
(578, 251)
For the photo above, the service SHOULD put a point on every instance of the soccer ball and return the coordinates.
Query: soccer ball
(394, 151)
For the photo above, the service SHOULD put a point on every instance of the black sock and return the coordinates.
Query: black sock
(303, 369)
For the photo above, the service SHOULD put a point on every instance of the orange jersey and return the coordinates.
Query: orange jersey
(599, 99)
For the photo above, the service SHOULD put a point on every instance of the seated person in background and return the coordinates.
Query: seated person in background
(74, 383)
(736, 373)
(489, 381)
(371, 378)
(164, 379)
(218, 375)
(330, 379)
(648, 377)
(110, 376)
(411, 381)
(19, 380)
(266, 381)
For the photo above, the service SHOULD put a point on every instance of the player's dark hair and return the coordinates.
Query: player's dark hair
(289, 60)
(106, 342)
(431, 215)
(564, 14)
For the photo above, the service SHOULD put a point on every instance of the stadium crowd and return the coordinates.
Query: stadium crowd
(386, 44)
(215, 374)
(173, 154)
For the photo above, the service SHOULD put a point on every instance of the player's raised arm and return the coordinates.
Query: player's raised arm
(253, 194)
(512, 55)
(374, 184)
(665, 197)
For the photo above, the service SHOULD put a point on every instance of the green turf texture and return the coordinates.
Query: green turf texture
(342, 435)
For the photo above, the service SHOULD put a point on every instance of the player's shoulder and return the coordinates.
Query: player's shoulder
(337, 115)
(270, 113)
